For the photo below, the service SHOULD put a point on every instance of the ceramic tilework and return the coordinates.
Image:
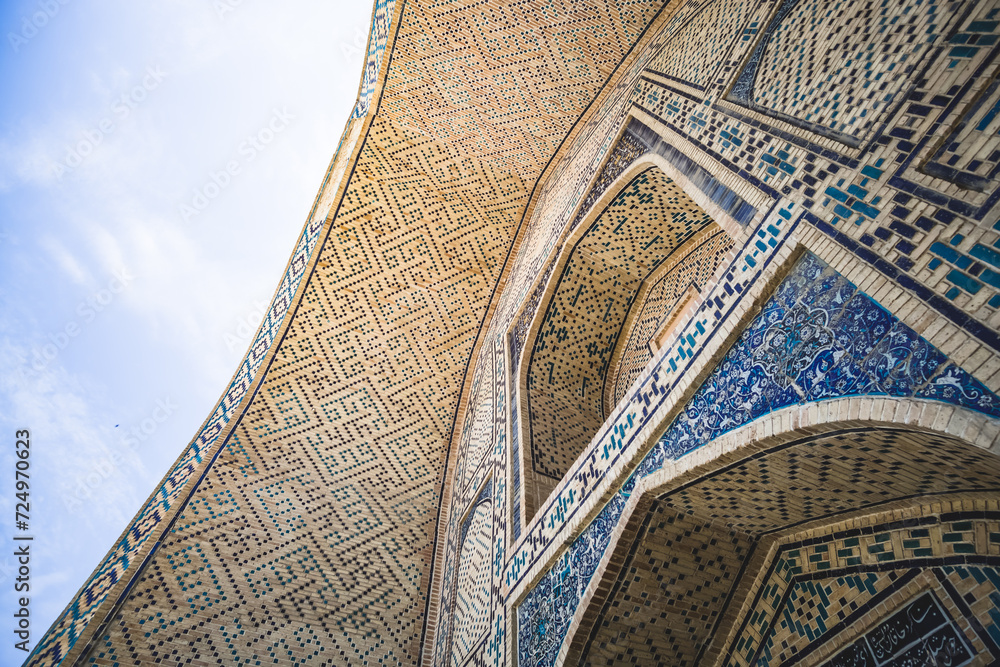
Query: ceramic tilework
(841, 84)
(701, 178)
(414, 248)
(813, 609)
(818, 337)
(692, 59)
(478, 433)
(666, 606)
(472, 581)
(647, 221)
(801, 606)
(63, 634)
(795, 169)
(377, 40)
(507, 81)
(892, 212)
(696, 266)
(616, 439)
(543, 618)
(624, 153)
(488, 559)
(697, 547)
(968, 155)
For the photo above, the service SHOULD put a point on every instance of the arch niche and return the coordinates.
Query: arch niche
(841, 543)
(636, 262)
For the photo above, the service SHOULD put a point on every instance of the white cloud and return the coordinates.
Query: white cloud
(65, 260)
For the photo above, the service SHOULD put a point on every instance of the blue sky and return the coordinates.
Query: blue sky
(157, 162)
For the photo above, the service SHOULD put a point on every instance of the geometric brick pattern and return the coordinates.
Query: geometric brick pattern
(868, 49)
(705, 541)
(967, 155)
(696, 263)
(877, 202)
(879, 205)
(691, 59)
(816, 337)
(864, 195)
(642, 227)
(820, 588)
(351, 424)
(61, 637)
(665, 608)
(472, 581)
(819, 612)
(311, 537)
(624, 153)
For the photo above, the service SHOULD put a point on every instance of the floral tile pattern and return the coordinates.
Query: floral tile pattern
(817, 337)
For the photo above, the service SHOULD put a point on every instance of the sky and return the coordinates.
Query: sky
(157, 163)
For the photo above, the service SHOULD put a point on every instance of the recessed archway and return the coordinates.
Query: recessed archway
(620, 275)
(780, 552)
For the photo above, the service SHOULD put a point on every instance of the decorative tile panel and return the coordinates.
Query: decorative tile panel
(691, 59)
(677, 594)
(695, 267)
(472, 583)
(365, 384)
(645, 223)
(837, 68)
(816, 338)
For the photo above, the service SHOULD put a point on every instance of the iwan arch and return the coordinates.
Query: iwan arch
(619, 333)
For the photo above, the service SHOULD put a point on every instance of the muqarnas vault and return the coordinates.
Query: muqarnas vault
(621, 332)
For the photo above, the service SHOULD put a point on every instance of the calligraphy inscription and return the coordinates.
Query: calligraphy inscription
(921, 633)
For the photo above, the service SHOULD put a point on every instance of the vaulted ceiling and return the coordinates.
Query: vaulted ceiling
(318, 521)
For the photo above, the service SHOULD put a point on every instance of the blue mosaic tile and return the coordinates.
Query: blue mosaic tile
(816, 338)
(860, 325)
(916, 369)
(955, 386)
(544, 616)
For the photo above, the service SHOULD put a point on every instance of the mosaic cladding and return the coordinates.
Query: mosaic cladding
(61, 637)
(695, 265)
(375, 263)
(681, 580)
(683, 612)
(816, 338)
(647, 221)
(479, 94)
(624, 153)
(899, 214)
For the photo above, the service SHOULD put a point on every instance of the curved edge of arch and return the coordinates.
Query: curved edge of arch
(783, 426)
(563, 253)
(95, 602)
(489, 320)
(613, 379)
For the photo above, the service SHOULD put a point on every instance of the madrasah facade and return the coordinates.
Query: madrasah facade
(620, 332)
